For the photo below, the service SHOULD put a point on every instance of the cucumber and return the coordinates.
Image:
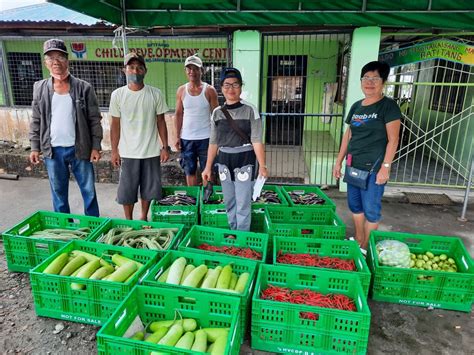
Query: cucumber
(57, 264)
(157, 335)
(123, 272)
(188, 324)
(214, 333)
(173, 335)
(73, 265)
(219, 346)
(176, 271)
(242, 282)
(233, 281)
(186, 341)
(186, 272)
(223, 281)
(195, 277)
(211, 278)
(200, 341)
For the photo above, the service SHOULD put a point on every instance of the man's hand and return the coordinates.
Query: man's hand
(382, 176)
(178, 144)
(95, 156)
(115, 159)
(164, 155)
(34, 158)
(206, 176)
(263, 171)
(336, 171)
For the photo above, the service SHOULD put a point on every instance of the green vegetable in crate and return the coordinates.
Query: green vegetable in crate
(200, 341)
(186, 341)
(138, 336)
(123, 272)
(62, 234)
(431, 262)
(146, 238)
(176, 271)
(223, 281)
(219, 346)
(172, 336)
(85, 273)
(211, 278)
(157, 335)
(188, 324)
(74, 264)
(195, 277)
(393, 253)
(215, 333)
(57, 264)
(186, 272)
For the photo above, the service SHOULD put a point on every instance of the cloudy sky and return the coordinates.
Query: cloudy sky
(10, 4)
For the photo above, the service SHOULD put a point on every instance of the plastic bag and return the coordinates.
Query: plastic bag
(393, 253)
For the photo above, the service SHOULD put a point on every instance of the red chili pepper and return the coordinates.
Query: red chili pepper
(315, 260)
(235, 251)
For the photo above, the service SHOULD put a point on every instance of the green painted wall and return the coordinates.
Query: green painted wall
(246, 57)
(164, 57)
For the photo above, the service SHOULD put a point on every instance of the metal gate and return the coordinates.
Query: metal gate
(303, 86)
(436, 138)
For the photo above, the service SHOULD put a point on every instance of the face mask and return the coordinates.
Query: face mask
(135, 78)
(60, 77)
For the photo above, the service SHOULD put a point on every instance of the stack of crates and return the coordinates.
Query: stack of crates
(239, 266)
(181, 214)
(283, 327)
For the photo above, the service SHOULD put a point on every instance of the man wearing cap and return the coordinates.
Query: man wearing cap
(65, 127)
(138, 117)
(195, 101)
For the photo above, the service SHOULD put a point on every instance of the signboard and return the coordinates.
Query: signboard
(438, 49)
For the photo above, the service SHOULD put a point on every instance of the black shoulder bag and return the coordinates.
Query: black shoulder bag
(231, 122)
(358, 177)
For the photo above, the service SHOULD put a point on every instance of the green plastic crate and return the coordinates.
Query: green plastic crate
(343, 249)
(24, 253)
(239, 266)
(100, 233)
(436, 289)
(305, 189)
(258, 208)
(219, 237)
(215, 215)
(307, 222)
(156, 304)
(187, 215)
(53, 296)
(277, 326)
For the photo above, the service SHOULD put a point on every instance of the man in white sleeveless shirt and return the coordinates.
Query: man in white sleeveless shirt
(65, 127)
(195, 102)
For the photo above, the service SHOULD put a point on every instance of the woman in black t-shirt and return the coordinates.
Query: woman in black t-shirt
(369, 143)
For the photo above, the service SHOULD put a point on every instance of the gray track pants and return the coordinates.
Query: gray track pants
(237, 195)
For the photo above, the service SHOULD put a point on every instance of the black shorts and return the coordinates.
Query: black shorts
(135, 174)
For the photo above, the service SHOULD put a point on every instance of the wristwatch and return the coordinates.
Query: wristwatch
(386, 165)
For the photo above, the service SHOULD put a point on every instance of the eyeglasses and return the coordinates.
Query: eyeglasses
(375, 79)
(59, 58)
(233, 85)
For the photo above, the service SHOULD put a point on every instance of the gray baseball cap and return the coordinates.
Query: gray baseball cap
(132, 55)
(54, 45)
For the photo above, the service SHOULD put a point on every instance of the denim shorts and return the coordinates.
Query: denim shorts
(191, 151)
(368, 202)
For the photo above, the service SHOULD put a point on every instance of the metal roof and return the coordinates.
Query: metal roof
(46, 12)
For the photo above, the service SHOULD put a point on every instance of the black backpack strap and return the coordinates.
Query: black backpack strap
(231, 122)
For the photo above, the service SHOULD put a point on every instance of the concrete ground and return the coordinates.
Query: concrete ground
(395, 329)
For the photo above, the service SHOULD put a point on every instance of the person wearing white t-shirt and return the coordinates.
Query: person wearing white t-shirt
(65, 127)
(138, 117)
(195, 101)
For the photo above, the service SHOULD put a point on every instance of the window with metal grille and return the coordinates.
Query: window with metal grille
(104, 77)
(449, 98)
(212, 76)
(25, 69)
